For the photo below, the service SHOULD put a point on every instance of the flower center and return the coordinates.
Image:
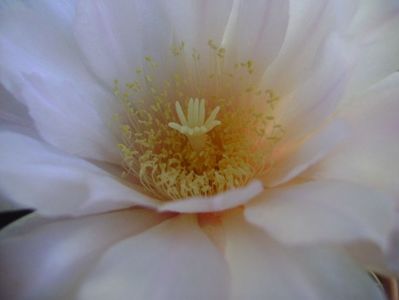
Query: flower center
(195, 133)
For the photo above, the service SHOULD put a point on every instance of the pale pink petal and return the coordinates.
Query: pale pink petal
(187, 21)
(311, 23)
(174, 260)
(44, 259)
(218, 202)
(371, 155)
(255, 31)
(292, 162)
(248, 30)
(324, 212)
(6, 205)
(391, 255)
(261, 268)
(61, 11)
(116, 36)
(42, 67)
(32, 38)
(40, 177)
(376, 259)
(74, 117)
(375, 31)
(307, 108)
(14, 115)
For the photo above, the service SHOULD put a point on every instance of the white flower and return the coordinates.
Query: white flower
(199, 150)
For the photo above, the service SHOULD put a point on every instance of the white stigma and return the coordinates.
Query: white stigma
(194, 126)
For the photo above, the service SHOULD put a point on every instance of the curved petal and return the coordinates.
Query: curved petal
(311, 23)
(293, 161)
(374, 30)
(44, 259)
(310, 105)
(43, 68)
(324, 212)
(62, 11)
(55, 184)
(251, 30)
(14, 115)
(219, 202)
(73, 117)
(33, 39)
(371, 155)
(116, 36)
(174, 260)
(6, 205)
(381, 261)
(255, 31)
(187, 21)
(261, 268)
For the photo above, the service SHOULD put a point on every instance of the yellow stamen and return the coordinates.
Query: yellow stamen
(227, 147)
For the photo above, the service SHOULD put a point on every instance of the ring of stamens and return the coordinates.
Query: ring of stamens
(174, 154)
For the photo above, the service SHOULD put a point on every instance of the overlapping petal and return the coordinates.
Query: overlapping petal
(311, 24)
(39, 177)
(323, 212)
(371, 155)
(43, 68)
(374, 31)
(292, 160)
(255, 31)
(116, 36)
(312, 102)
(261, 268)
(174, 260)
(216, 203)
(46, 259)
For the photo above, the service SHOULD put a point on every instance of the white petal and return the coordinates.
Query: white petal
(324, 212)
(7, 205)
(308, 107)
(219, 202)
(311, 23)
(187, 20)
(174, 260)
(45, 259)
(74, 117)
(375, 31)
(371, 155)
(255, 31)
(55, 184)
(263, 269)
(292, 162)
(384, 262)
(34, 40)
(116, 36)
(62, 11)
(42, 67)
(13, 114)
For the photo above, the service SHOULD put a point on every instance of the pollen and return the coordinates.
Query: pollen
(195, 132)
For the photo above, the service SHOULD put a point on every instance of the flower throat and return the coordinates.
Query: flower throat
(195, 131)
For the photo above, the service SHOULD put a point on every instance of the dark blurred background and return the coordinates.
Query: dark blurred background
(10, 216)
